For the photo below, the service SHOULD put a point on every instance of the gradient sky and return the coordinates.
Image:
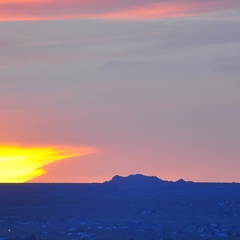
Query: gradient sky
(153, 85)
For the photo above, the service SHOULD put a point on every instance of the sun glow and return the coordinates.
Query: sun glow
(20, 164)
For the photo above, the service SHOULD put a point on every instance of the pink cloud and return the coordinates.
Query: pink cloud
(13, 10)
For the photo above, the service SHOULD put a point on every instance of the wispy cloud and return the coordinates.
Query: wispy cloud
(20, 164)
(23, 10)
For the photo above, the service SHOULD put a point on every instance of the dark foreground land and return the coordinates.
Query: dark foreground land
(132, 208)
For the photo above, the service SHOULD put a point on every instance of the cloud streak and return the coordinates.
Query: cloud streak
(20, 164)
(35, 10)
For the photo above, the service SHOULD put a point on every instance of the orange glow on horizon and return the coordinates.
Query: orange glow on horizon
(21, 164)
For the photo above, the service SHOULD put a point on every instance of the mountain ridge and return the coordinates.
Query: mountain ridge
(139, 180)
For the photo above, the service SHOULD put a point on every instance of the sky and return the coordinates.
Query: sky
(94, 88)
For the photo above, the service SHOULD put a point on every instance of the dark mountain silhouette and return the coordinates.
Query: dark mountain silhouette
(135, 180)
(140, 181)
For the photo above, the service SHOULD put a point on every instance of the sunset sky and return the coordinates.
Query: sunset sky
(94, 88)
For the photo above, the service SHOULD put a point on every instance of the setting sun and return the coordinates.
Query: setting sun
(20, 164)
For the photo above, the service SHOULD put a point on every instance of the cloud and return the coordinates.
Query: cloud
(21, 164)
(22, 10)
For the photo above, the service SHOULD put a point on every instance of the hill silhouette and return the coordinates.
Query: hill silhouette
(136, 179)
(140, 181)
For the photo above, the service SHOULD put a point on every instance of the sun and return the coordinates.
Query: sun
(20, 164)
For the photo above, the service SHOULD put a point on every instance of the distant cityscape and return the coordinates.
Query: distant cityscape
(131, 208)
